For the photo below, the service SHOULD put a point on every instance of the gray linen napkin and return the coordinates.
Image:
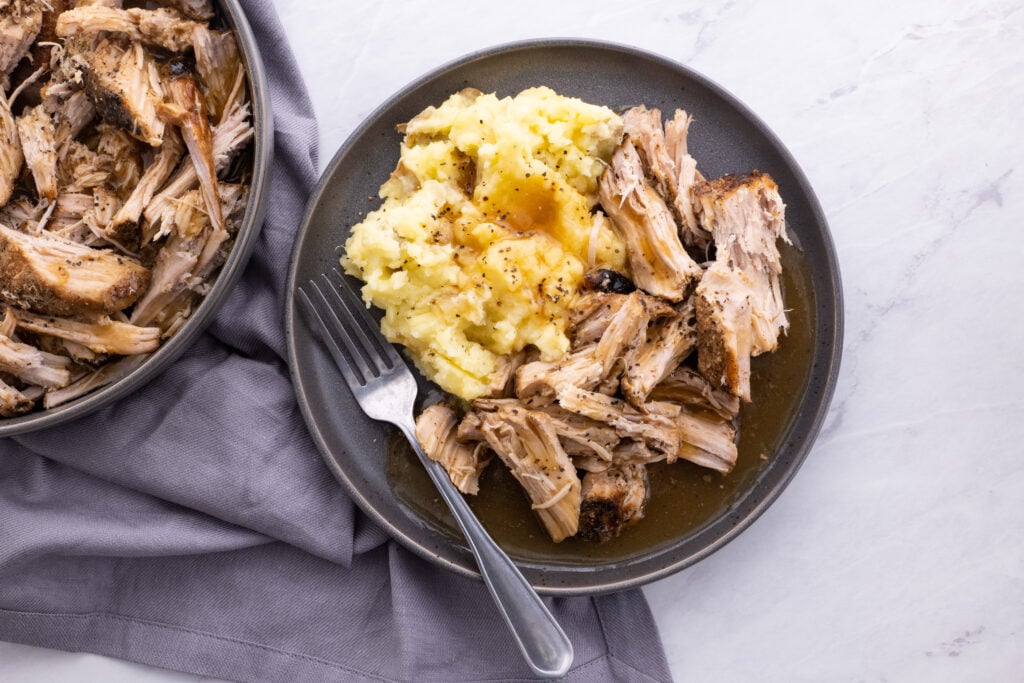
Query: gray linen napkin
(193, 525)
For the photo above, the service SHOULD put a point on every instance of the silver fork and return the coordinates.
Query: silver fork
(385, 389)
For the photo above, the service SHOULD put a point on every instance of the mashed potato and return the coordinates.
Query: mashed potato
(485, 231)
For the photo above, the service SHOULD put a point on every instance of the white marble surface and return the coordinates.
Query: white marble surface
(897, 554)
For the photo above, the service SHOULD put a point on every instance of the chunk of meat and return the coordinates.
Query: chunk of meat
(99, 219)
(119, 152)
(39, 144)
(659, 263)
(746, 216)
(176, 312)
(528, 445)
(689, 388)
(155, 175)
(160, 27)
(20, 21)
(12, 401)
(669, 340)
(643, 126)
(693, 234)
(9, 323)
(70, 110)
(33, 366)
(53, 275)
(187, 109)
(104, 336)
(81, 169)
(580, 436)
(724, 330)
(592, 365)
(613, 499)
(46, 41)
(436, 429)
(541, 378)
(219, 66)
(591, 314)
(21, 213)
(658, 431)
(627, 329)
(200, 10)
(11, 156)
(229, 137)
(107, 374)
(122, 81)
(707, 440)
(187, 258)
(503, 379)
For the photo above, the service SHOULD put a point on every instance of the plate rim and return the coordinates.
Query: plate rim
(836, 323)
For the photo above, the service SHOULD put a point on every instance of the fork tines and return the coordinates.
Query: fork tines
(363, 354)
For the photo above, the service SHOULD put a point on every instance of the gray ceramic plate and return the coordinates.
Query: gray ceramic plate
(691, 514)
(262, 148)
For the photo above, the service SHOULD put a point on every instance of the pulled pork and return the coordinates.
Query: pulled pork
(119, 198)
(660, 356)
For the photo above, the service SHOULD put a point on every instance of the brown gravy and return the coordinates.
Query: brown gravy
(683, 496)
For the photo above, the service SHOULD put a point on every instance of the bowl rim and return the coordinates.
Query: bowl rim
(813, 421)
(238, 257)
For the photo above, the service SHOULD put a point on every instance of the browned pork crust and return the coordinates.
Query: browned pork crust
(52, 275)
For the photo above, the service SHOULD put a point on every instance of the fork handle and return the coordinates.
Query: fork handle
(543, 642)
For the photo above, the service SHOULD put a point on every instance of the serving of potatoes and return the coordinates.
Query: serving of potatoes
(485, 231)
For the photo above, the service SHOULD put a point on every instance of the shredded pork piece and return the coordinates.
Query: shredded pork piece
(119, 153)
(38, 142)
(740, 310)
(591, 366)
(591, 315)
(105, 336)
(687, 175)
(229, 137)
(71, 114)
(12, 401)
(669, 340)
(643, 126)
(613, 499)
(219, 67)
(580, 436)
(641, 218)
(746, 216)
(187, 258)
(189, 114)
(123, 83)
(161, 27)
(658, 431)
(11, 156)
(689, 388)
(52, 275)
(152, 179)
(108, 374)
(33, 366)
(20, 21)
(528, 445)
(724, 334)
(200, 10)
(436, 429)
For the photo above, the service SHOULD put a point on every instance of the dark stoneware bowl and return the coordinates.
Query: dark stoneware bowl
(262, 150)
